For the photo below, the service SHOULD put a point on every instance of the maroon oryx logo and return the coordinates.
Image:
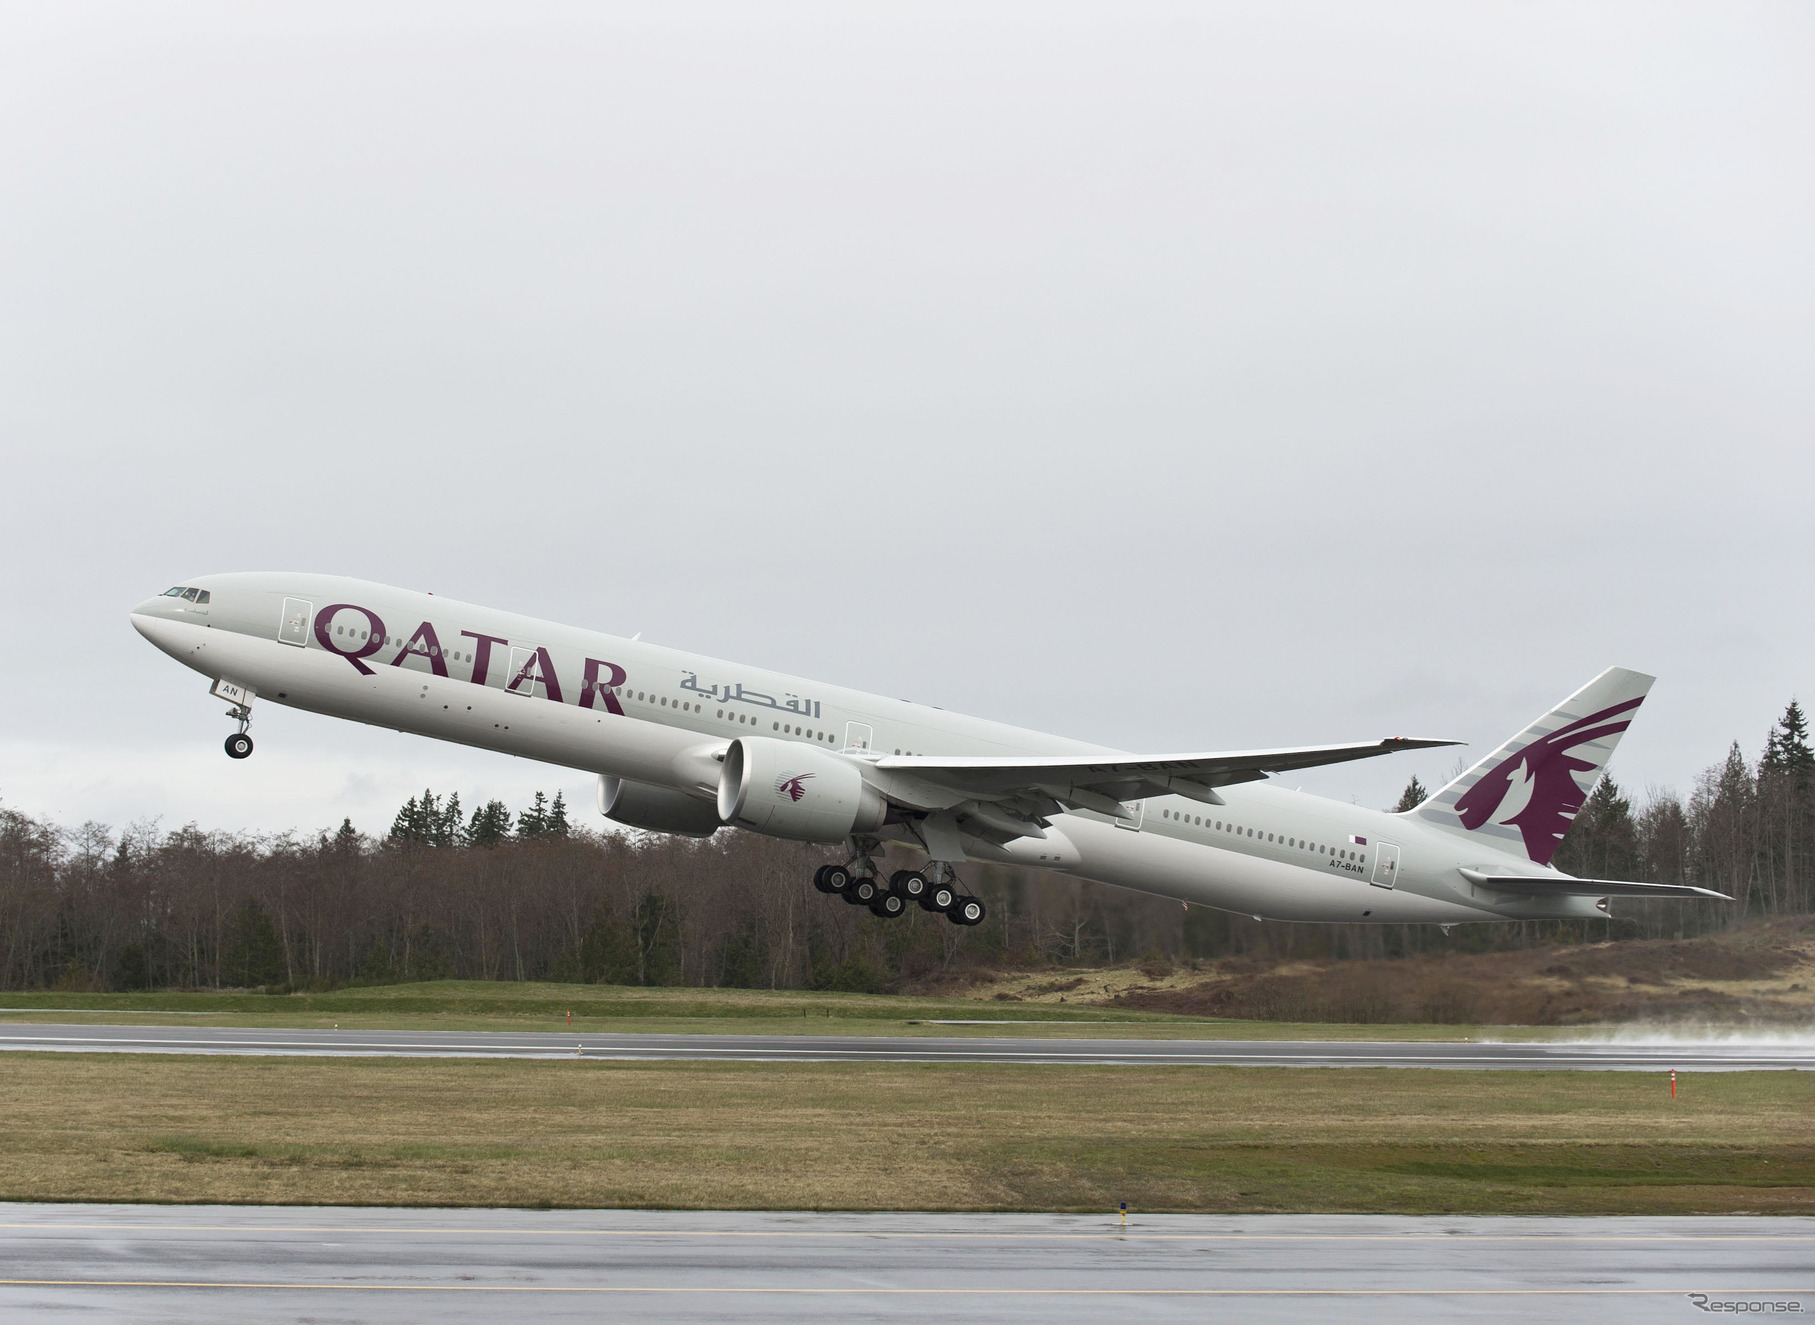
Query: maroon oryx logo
(789, 785)
(1545, 770)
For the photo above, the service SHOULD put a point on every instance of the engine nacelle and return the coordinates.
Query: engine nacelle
(658, 809)
(786, 789)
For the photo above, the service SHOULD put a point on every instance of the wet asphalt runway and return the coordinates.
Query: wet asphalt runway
(271, 1264)
(1627, 1057)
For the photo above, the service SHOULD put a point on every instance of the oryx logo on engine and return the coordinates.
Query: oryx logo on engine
(789, 785)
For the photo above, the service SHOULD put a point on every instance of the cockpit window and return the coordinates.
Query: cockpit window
(190, 594)
(201, 597)
(197, 596)
(177, 592)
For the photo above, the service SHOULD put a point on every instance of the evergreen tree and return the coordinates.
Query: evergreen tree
(346, 837)
(658, 942)
(533, 822)
(424, 959)
(1603, 840)
(1787, 747)
(429, 821)
(1414, 795)
(1724, 812)
(490, 825)
(608, 954)
(252, 954)
(404, 826)
(130, 969)
(1786, 812)
(746, 958)
(419, 821)
(557, 817)
(449, 831)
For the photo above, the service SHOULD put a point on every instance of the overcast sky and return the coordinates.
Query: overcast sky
(1174, 376)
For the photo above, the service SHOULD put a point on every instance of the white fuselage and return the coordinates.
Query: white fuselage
(637, 711)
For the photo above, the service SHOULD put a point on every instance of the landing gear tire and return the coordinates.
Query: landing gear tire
(831, 878)
(888, 905)
(239, 745)
(909, 885)
(967, 911)
(939, 897)
(861, 891)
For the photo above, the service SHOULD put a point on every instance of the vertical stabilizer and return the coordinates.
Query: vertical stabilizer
(1523, 797)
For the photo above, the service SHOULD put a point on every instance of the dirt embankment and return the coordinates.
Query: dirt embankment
(1762, 974)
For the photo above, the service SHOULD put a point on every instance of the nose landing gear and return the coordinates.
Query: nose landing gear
(239, 745)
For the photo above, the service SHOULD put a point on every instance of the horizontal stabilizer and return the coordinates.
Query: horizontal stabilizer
(1564, 887)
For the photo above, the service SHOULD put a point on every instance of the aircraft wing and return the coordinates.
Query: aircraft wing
(1043, 784)
(1520, 883)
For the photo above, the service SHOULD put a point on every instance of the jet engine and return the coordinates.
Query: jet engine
(785, 789)
(658, 809)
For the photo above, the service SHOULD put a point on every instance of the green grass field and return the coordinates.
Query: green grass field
(498, 1005)
(116, 1127)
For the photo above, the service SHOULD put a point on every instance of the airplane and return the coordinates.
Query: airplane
(684, 744)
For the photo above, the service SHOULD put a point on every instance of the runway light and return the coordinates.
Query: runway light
(1673, 1083)
(1124, 1213)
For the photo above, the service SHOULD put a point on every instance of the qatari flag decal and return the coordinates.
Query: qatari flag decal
(1358, 841)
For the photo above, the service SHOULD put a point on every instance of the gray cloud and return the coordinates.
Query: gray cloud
(1181, 377)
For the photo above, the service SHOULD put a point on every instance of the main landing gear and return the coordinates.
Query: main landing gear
(857, 884)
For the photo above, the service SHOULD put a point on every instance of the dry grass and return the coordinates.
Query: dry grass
(891, 1136)
(1763, 974)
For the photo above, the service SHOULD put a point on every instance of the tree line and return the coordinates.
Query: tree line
(529, 896)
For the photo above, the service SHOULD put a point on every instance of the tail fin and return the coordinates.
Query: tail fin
(1524, 796)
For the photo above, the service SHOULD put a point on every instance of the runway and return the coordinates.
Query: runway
(1710, 1056)
(276, 1264)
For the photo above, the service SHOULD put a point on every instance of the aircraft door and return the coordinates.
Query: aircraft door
(293, 625)
(525, 672)
(1386, 865)
(857, 737)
